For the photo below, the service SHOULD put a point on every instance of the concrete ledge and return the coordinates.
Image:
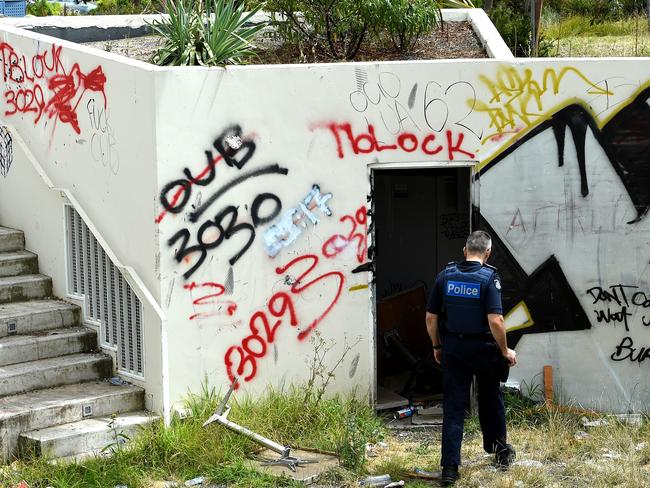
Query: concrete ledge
(483, 28)
(92, 28)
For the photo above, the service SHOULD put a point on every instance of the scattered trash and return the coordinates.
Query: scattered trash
(370, 451)
(382, 444)
(427, 475)
(382, 480)
(405, 412)
(612, 455)
(593, 423)
(640, 446)
(121, 486)
(581, 435)
(395, 484)
(22, 484)
(629, 418)
(117, 381)
(519, 484)
(195, 481)
(529, 463)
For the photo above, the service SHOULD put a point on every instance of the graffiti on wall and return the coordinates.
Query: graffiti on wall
(294, 222)
(520, 100)
(6, 151)
(548, 301)
(103, 145)
(217, 222)
(42, 86)
(449, 145)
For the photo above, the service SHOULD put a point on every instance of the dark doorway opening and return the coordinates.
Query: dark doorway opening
(421, 220)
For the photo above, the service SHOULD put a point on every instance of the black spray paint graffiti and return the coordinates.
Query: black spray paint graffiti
(625, 139)
(546, 293)
(616, 305)
(6, 151)
(236, 152)
(429, 107)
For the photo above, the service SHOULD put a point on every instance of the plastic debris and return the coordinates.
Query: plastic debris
(427, 475)
(593, 423)
(581, 435)
(195, 481)
(640, 446)
(629, 418)
(611, 455)
(117, 381)
(529, 463)
(395, 484)
(381, 480)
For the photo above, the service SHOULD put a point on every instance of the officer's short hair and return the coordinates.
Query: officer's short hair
(478, 242)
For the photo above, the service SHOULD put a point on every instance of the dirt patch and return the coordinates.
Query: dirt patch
(454, 40)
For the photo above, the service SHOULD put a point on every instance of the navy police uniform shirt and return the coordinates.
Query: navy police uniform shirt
(491, 298)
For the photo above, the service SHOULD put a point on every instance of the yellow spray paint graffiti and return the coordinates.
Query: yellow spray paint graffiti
(517, 101)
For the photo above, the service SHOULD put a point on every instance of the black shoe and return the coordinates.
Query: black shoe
(449, 475)
(505, 457)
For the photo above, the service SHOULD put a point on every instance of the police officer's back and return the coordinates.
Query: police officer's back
(471, 343)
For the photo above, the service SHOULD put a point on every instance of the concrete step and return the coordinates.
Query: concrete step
(17, 263)
(44, 408)
(85, 436)
(11, 240)
(48, 344)
(37, 315)
(24, 287)
(46, 373)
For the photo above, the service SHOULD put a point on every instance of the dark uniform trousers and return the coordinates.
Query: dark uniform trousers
(463, 356)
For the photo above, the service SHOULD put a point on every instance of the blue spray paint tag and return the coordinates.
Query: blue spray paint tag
(463, 289)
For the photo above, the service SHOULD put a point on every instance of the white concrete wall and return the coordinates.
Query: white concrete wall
(82, 128)
(562, 235)
(463, 110)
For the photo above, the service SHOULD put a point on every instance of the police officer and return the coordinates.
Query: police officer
(473, 343)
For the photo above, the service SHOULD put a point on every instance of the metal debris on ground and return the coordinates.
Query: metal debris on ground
(221, 416)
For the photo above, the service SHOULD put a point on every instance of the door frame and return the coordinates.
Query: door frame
(474, 206)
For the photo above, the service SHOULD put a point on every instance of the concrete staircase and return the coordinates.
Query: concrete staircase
(54, 397)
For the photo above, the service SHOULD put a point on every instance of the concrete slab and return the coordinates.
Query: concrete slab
(47, 344)
(11, 240)
(24, 287)
(307, 474)
(89, 436)
(18, 262)
(44, 408)
(47, 373)
(37, 315)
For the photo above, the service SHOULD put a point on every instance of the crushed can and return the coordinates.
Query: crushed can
(405, 412)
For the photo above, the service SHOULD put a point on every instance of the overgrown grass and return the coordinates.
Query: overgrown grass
(577, 25)
(186, 450)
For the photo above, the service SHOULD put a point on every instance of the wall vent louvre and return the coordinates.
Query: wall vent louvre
(109, 300)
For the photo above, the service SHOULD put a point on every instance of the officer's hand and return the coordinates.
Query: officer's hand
(511, 356)
(437, 355)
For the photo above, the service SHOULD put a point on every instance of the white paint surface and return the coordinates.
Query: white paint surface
(164, 121)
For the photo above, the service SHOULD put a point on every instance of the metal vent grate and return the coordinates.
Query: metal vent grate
(109, 300)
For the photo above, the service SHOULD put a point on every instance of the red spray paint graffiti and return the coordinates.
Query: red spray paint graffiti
(337, 243)
(367, 142)
(216, 290)
(241, 360)
(44, 87)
